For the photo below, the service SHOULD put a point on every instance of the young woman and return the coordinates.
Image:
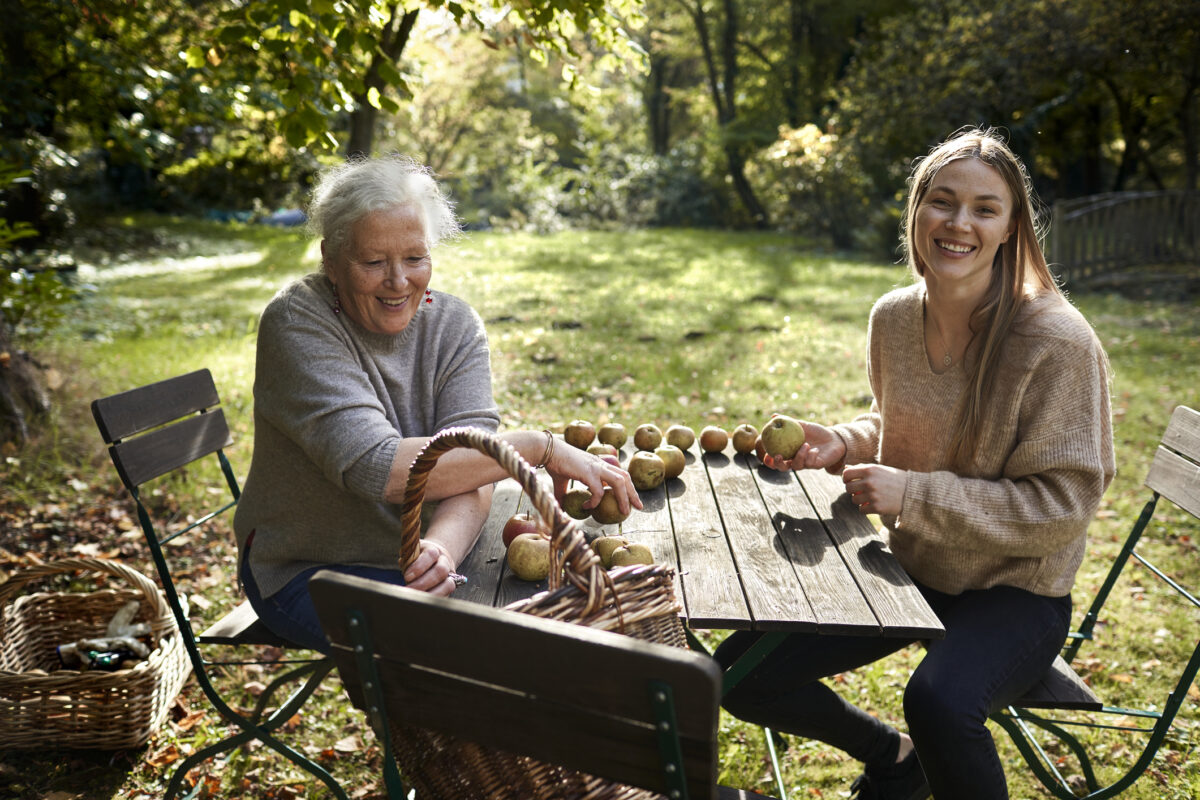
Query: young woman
(985, 452)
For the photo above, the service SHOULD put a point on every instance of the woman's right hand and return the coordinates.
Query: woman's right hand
(822, 449)
(567, 462)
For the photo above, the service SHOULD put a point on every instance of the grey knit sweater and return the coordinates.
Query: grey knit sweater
(331, 403)
(1019, 515)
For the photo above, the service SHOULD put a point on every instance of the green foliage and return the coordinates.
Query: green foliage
(32, 302)
(821, 187)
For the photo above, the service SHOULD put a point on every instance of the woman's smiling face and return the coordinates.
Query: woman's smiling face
(381, 276)
(961, 222)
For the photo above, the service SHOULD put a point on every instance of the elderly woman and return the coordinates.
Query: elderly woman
(357, 366)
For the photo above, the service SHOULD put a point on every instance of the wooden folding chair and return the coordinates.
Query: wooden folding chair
(637, 713)
(1174, 475)
(162, 428)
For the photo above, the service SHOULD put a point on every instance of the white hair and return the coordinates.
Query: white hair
(347, 192)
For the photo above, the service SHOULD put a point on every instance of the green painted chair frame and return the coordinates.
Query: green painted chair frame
(1174, 475)
(152, 431)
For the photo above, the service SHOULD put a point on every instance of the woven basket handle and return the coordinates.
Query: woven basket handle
(570, 555)
(19, 580)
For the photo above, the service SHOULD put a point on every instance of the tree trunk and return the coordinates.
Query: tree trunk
(391, 47)
(658, 105)
(22, 395)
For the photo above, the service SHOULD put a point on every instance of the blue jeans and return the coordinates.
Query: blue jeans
(290, 612)
(999, 642)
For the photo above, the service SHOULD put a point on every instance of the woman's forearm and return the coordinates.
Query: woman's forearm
(461, 470)
(456, 523)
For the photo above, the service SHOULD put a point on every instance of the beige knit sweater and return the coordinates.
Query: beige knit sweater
(1019, 515)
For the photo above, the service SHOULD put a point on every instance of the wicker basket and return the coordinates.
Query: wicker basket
(639, 601)
(43, 706)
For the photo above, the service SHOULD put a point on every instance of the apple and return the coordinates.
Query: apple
(647, 470)
(647, 436)
(518, 524)
(529, 557)
(612, 433)
(634, 553)
(579, 433)
(745, 437)
(573, 501)
(713, 439)
(607, 511)
(605, 545)
(782, 436)
(601, 449)
(673, 459)
(681, 436)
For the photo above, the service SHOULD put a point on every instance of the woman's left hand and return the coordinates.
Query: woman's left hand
(431, 570)
(876, 489)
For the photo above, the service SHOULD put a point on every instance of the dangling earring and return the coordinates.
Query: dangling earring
(428, 298)
(337, 301)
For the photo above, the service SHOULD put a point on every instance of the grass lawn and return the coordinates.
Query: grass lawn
(665, 326)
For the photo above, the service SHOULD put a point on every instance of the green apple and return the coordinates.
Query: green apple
(673, 459)
(647, 470)
(529, 557)
(782, 436)
(681, 436)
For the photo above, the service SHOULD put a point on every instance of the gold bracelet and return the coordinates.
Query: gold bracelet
(549, 449)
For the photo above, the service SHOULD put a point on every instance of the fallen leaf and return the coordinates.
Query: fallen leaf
(1121, 677)
(167, 755)
(350, 744)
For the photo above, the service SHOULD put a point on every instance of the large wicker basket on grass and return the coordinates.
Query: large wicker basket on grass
(639, 601)
(42, 705)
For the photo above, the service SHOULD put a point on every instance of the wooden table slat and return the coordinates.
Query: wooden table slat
(829, 585)
(768, 579)
(712, 593)
(897, 603)
(652, 527)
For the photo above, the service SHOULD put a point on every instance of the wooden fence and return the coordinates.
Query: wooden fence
(1117, 237)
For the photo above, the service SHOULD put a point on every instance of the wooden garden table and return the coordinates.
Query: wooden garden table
(755, 549)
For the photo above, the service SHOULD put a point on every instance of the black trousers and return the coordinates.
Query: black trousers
(999, 642)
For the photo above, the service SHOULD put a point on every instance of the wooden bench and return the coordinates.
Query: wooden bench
(608, 705)
(1174, 475)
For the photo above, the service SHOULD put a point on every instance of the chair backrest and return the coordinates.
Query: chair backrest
(158, 428)
(1174, 475)
(1175, 470)
(561, 693)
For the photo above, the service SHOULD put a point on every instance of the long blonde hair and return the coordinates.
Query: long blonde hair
(1018, 272)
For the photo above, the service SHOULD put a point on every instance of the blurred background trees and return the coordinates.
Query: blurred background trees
(803, 115)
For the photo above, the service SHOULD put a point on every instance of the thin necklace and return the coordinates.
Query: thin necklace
(947, 360)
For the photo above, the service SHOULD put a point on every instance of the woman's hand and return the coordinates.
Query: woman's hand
(430, 571)
(567, 462)
(822, 449)
(876, 489)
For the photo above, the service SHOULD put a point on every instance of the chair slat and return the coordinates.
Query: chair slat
(1060, 687)
(1183, 433)
(1176, 479)
(128, 413)
(156, 453)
